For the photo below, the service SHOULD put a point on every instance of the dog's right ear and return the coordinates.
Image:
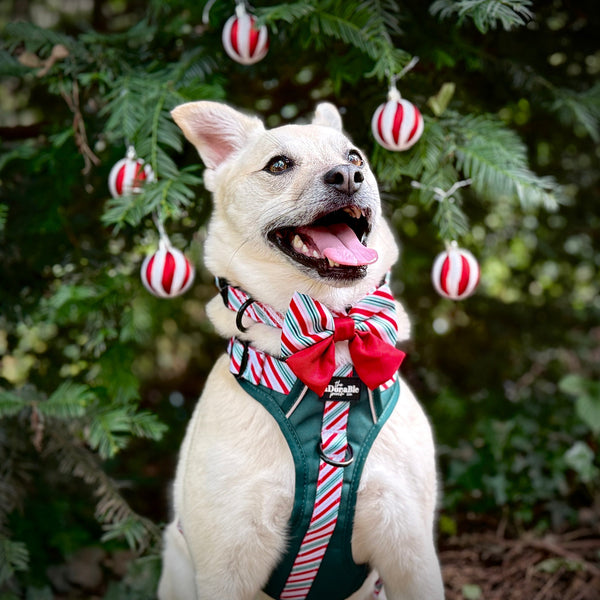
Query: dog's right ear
(217, 130)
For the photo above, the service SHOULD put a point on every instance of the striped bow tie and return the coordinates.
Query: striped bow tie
(310, 331)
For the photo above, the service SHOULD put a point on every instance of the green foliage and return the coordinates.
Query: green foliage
(486, 14)
(13, 557)
(587, 399)
(88, 358)
(139, 583)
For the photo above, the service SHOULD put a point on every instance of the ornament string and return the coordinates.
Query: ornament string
(131, 153)
(163, 238)
(206, 11)
(240, 9)
(393, 93)
(438, 193)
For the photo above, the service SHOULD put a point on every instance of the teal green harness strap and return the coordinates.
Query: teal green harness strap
(338, 576)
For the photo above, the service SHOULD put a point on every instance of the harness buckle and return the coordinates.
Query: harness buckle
(349, 458)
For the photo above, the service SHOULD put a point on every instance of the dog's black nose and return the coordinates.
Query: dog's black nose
(345, 178)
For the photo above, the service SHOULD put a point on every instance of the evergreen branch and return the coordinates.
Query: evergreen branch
(109, 429)
(154, 130)
(450, 220)
(581, 108)
(10, 66)
(13, 557)
(69, 401)
(11, 403)
(494, 180)
(35, 39)
(368, 27)
(112, 510)
(496, 159)
(288, 12)
(486, 14)
(349, 32)
(3, 216)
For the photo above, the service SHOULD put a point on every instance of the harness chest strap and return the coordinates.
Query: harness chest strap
(319, 563)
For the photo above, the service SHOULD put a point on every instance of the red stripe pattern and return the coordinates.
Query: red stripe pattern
(264, 369)
(310, 332)
(397, 124)
(242, 40)
(128, 176)
(167, 272)
(455, 273)
(334, 445)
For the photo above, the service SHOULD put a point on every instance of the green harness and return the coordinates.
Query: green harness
(338, 576)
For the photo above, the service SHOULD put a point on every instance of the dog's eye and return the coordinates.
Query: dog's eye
(279, 164)
(355, 158)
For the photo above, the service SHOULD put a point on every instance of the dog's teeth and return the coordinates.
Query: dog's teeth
(331, 263)
(316, 254)
(353, 211)
(297, 242)
(305, 249)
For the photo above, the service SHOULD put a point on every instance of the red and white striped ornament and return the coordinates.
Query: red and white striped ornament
(167, 273)
(242, 40)
(455, 273)
(128, 175)
(397, 124)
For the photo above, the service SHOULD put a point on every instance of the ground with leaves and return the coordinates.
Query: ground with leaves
(476, 566)
(488, 566)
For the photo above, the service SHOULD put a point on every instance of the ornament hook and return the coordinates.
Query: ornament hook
(163, 238)
(438, 193)
(393, 93)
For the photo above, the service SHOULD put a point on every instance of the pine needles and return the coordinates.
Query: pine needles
(485, 14)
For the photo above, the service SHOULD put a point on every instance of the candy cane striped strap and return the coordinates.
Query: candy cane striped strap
(237, 300)
(334, 446)
(260, 368)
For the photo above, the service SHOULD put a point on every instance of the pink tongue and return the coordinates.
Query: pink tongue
(340, 244)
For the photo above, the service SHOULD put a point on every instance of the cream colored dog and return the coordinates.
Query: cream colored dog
(234, 486)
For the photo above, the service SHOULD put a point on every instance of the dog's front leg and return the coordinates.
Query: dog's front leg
(177, 578)
(233, 491)
(396, 506)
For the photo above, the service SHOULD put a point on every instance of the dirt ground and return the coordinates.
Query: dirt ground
(482, 565)
(487, 566)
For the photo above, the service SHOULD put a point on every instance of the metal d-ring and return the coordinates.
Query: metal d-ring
(240, 315)
(336, 463)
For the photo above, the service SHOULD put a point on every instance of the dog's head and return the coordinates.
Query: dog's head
(296, 208)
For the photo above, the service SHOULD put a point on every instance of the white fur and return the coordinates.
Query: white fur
(234, 486)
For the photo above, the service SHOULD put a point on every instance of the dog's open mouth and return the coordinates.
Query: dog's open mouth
(333, 245)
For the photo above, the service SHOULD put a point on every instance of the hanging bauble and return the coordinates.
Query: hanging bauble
(455, 273)
(397, 124)
(167, 272)
(128, 175)
(242, 40)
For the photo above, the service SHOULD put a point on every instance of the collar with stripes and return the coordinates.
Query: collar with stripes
(256, 366)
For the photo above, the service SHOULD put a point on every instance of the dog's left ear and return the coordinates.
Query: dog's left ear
(217, 130)
(327, 115)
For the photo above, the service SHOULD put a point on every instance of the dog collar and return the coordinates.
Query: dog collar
(309, 334)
